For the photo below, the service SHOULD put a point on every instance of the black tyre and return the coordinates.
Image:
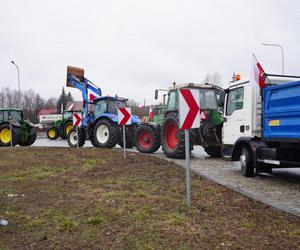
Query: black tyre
(66, 128)
(5, 135)
(106, 134)
(146, 139)
(30, 139)
(246, 162)
(213, 151)
(172, 138)
(129, 136)
(52, 133)
(73, 137)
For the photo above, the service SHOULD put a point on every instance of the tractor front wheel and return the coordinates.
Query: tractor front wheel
(52, 133)
(172, 138)
(30, 139)
(73, 137)
(147, 139)
(106, 134)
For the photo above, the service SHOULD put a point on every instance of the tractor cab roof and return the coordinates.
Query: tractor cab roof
(195, 85)
(110, 98)
(11, 109)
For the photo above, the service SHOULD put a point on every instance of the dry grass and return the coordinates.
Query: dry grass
(92, 198)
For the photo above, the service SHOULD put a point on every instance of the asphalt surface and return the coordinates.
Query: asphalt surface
(281, 189)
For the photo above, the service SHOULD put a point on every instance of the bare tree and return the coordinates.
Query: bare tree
(214, 78)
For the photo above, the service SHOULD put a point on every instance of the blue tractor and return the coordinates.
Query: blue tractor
(100, 120)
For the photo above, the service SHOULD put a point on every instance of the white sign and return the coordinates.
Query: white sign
(77, 119)
(124, 116)
(189, 108)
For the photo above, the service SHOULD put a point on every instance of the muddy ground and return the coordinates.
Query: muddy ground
(92, 198)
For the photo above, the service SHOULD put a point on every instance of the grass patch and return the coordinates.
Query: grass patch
(90, 198)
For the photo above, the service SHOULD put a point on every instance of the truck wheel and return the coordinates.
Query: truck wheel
(146, 139)
(72, 137)
(66, 129)
(213, 151)
(106, 134)
(30, 139)
(5, 135)
(172, 139)
(246, 162)
(52, 133)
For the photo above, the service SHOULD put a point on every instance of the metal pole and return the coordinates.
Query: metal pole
(77, 141)
(124, 141)
(282, 53)
(187, 166)
(18, 82)
(11, 134)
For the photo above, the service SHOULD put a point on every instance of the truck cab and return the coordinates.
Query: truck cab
(247, 119)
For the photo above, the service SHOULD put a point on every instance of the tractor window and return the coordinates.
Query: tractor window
(235, 100)
(114, 105)
(100, 108)
(1, 116)
(16, 115)
(67, 115)
(208, 99)
(172, 101)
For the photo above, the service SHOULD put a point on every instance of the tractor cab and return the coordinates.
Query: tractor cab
(209, 96)
(108, 104)
(14, 114)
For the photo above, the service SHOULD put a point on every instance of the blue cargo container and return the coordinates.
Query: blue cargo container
(281, 112)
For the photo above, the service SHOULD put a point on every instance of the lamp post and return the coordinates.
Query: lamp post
(18, 82)
(282, 54)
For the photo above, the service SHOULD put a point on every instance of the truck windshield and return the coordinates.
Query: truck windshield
(114, 105)
(16, 115)
(208, 99)
(67, 115)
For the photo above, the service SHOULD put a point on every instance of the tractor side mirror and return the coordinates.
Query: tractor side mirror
(156, 94)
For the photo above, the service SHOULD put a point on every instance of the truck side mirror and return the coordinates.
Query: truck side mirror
(156, 94)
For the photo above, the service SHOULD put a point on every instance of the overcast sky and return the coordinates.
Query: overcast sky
(131, 47)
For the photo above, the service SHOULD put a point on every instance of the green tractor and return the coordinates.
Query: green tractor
(62, 127)
(14, 129)
(150, 136)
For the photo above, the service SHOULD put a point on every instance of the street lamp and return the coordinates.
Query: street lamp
(282, 54)
(18, 81)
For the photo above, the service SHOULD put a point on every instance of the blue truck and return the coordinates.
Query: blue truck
(100, 117)
(261, 126)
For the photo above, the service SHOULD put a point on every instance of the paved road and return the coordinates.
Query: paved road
(280, 189)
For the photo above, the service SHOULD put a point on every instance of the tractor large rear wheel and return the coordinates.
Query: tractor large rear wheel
(73, 137)
(146, 139)
(66, 128)
(30, 139)
(106, 134)
(5, 135)
(129, 133)
(172, 138)
(52, 133)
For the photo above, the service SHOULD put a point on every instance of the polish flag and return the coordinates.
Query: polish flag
(71, 107)
(151, 114)
(92, 95)
(258, 72)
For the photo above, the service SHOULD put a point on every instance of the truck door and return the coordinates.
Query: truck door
(234, 124)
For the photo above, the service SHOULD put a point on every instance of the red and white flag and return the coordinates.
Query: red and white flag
(258, 72)
(151, 114)
(92, 95)
(71, 107)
